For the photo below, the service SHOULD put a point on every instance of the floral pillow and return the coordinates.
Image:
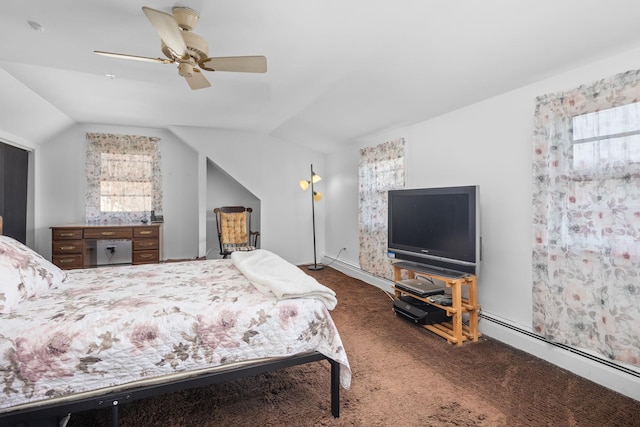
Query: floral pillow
(23, 274)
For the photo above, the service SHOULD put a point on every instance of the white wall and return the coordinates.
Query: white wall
(267, 167)
(489, 144)
(270, 169)
(61, 187)
(224, 190)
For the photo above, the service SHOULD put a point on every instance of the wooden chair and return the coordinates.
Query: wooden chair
(234, 229)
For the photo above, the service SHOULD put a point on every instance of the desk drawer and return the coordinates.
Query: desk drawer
(67, 247)
(107, 233)
(146, 232)
(145, 257)
(145, 244)
(66, 262)
(66, 233)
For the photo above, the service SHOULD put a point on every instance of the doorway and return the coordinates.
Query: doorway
(14, 177)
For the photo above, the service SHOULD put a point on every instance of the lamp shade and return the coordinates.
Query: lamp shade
(315, 178)
(317, 196)
(304, 184)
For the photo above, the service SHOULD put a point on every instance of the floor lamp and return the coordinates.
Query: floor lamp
(315, 196)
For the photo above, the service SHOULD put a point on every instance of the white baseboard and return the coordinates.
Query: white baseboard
(622, 379)
(355, 271)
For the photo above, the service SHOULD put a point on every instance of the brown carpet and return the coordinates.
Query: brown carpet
(402, 375)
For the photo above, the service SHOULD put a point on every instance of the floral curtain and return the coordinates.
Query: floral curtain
(124, 181)
(381, 169)
(586, 217)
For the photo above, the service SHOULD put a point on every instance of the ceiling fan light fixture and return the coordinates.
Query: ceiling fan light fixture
(185, 69)
(189, 50)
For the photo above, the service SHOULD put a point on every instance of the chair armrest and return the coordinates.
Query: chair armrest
(254, 238)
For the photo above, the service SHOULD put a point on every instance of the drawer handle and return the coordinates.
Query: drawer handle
(66, 260)
(67, 234)
(145, 232)
(67, 248)
(107, 233)
(144, 256)
(144, 245)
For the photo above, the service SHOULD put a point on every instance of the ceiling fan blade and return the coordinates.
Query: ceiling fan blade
(134, 57)
(243, 64)
(197, 80)
(168, 30)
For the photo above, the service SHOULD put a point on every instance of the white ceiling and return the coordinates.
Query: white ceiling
(338, 70)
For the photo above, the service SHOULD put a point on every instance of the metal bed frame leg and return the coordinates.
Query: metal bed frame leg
(114, 414)
(335, 388)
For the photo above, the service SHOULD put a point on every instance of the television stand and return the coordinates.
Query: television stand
(454, 331)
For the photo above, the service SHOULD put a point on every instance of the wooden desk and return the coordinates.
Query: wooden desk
(74, 246)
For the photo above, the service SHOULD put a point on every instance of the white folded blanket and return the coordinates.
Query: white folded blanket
(271, 274)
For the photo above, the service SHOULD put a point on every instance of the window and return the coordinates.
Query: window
(586, 217)
(126, 183)
(381, 169)
(607, 139)
(123, 178)
(605, 143)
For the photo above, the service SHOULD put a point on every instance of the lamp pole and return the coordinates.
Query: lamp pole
(315, 265)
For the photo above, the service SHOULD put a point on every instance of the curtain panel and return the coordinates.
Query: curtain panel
(124, 180)
(586, 217)
(381, 169)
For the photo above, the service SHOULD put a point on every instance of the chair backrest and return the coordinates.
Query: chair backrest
(234, 229)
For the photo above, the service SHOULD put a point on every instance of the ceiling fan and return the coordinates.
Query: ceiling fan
(189, 50)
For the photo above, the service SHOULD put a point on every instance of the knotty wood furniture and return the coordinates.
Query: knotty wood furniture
(74, 246)
(454, 330)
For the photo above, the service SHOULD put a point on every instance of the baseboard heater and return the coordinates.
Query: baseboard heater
(562, 346)
(382, 283)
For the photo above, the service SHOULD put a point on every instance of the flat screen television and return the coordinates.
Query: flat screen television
(438, 228)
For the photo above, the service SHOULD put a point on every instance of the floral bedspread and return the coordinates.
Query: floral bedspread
(112, 326)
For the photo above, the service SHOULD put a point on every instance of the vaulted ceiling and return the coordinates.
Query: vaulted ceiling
(338, 70)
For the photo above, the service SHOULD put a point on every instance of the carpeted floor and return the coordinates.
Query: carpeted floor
(402, 375)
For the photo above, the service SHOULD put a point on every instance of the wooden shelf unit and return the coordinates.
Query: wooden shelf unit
(454, 331)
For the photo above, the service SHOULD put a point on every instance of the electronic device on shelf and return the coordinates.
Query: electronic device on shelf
(421, 288)
(441, 299)
(436, 227)
(156, 218)
(418, 311)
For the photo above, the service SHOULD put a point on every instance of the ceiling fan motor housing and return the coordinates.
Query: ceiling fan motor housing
(185, 17)
(197, 47)
(189, 50)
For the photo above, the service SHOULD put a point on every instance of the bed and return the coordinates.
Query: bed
(97, 338)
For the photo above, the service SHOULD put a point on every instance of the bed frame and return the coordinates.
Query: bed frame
(115, 400)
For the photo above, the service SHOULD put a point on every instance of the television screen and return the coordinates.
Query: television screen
(437, 226)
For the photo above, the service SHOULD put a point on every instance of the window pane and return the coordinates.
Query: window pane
(607, 139)
(625, 118)
(126, 182)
